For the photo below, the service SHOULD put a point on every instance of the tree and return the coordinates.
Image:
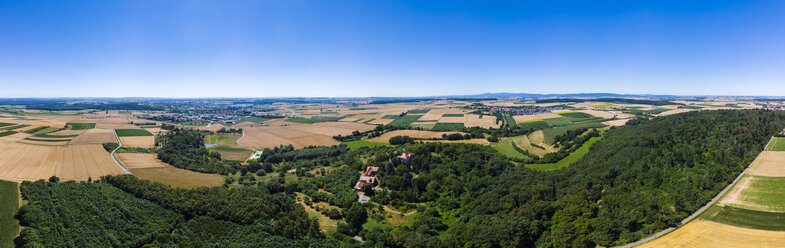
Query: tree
(355, 216)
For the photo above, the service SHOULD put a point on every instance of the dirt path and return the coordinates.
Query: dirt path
(120, 144)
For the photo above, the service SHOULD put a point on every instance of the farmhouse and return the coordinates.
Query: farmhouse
(406, 156)
(367, 177)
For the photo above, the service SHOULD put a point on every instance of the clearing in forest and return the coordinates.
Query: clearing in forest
(177, 177)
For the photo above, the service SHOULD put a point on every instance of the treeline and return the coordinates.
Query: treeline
(184, 149)
(611, 100)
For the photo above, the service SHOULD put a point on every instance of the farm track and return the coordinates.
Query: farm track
(702, 209)
(120, 144)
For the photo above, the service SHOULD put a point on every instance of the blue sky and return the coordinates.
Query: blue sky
(389, 48)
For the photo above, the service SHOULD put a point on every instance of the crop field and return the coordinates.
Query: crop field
(404, 120)
(304, 120)
(770, 163)
(702, 233)
(505, 146)
(758, 193)
(558, 122)
(4, 124)
(385, 138)
(354, 145)
(132, 132)
(567, 161)
(483, 121)
(139, 160)
(73, 162)
(9, 203)
(441, 126)
(80, 126)
(138, 141)
(226, 144)
(177, 177)
(95, 136)
(298, 135)
(746, 218)
(777, 144)
(6, 133)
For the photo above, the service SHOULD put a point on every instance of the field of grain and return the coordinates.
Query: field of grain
(15, 137)
(757, 193)
(608, 115)
(95, 136)
(436, 114)
(9, 203)
(20, 161)
(176, 177)
(703, 233)
(139, 160)
(616, 123)
(770, 164)
(138, 141)
(385, 138)
(522, 118)
(298, 135)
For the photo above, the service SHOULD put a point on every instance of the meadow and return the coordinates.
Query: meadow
(132, 132)
(354, 145)
(81, 126)
(567, 161)
(778, 144)
(9, 203)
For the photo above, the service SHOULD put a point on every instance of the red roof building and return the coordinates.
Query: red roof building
(406, 156)
(367, 177)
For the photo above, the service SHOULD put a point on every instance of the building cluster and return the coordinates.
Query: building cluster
(520, 110)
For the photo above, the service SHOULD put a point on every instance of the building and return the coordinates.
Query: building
(406, 156)
(369, 176)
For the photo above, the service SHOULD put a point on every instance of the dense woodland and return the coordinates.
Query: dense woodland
(639, 179)
(184, 148)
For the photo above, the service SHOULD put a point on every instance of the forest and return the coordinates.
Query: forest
(639, 179)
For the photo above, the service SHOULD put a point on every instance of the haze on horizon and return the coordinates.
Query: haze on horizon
(389, 48)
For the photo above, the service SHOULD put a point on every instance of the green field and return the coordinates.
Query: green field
(81, 126)
(390, 117)
(778, 144)
(46, 131)
(6, 133)
(604, 105)
(132, 132)
(509, 121)
(36, 129)
(533, 124)
(448, 127)
(14, 127)
(55, 136)
(558, 122)
(304, 120)
(764, 194)
(404, 120)
(418, 111)
(652, 111)
(48, 140)
(9, 203)
(226, 142)
(505, 146)
(551, 133)
(567, 161)
(580, 117)
(3, 124)
(746, 218)
(452, 115)
(354, 145)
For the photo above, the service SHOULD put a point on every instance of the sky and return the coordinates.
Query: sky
(337, 48)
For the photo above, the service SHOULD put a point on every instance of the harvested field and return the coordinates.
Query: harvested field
(770, 164)
(451, 120)
(235, 155)
(616, 123)
(548, 116)
(43, 143)
(67, 132)
(474, 120)
(15, 137)
(608, 115)
(298, 135)
(95, 136)
(522, 118)
(385, 138)
(176, 177)
(675, 111)
(138, 141)
(703, 233)
(20, 161)
(139, 160)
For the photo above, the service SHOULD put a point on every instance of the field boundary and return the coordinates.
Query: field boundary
(700, 210)
(120, 144)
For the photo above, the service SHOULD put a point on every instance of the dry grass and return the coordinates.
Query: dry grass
(474, 120)
(176, 177)
(522, 118)
(138, 141)
(616, 123)
(298, 135)
(608, 115)
(675, 111)
(73, 162)
(703, 233)
(139, 160)
(385, 138)
(770, 164)
(95, 136)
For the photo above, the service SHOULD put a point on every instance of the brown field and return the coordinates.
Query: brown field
(43, 143)
(176, 177)
(547, 116)
(675, 111)
(769, 164)
(298, 135)
(616, 123)
(15, 137)
(487, 121)
(139, 160)
(385, 138)
(703, 233)
(451, 119)
(436, 114)
(138, 141)
(243, 155)
(381, 121)
(20, 161)
(734, 195)
(95, 136)
(469, 141)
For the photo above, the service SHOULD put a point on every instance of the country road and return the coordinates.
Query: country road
(120, 144)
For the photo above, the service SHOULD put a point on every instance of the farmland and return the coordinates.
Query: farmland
(81, 126)
(176, 177)
(777, 144)
(73, 162)
(354, 145)
(9, 203)
(132, 132)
